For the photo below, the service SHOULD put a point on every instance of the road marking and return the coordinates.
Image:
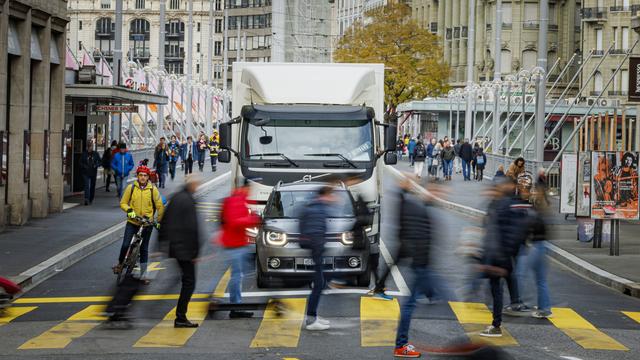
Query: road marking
(10, 314)
(154, 266)
(474, 317)
(378, 321)
(222, 284)
(283, 330)
(633, 315)
(165, 335)
(61, 335)
(395, 273)
(582, 331)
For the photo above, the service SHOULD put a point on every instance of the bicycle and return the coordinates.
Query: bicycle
(133, 252)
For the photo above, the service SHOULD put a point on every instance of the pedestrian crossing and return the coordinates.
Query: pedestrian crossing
(377, 324)
(210, 210)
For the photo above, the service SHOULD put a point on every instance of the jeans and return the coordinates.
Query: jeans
(172, 169)
(188, 270)
(447, 167)
(538, 262)
(496, 294)
(411, 159)
(425, 282)
(129, 231)
(201, 161)
(235, 259)
(188, 166)
(399, 152)
(466, 169)
(162, 178)
(89, 187)
(318, 285)
(456, 163)
(214, 162)
(121, 184)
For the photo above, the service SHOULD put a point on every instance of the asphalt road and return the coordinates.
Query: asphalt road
(50, 325)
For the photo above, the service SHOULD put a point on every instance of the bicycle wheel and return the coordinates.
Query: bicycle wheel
(130, 261)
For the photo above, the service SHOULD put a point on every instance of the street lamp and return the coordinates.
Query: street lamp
(496, 85)
(459, 96)
(537, 75)
(523, 76)
(510, 81)
(474, 91)
(450, 95)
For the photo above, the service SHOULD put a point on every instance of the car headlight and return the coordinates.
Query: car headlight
(368, 229)
(252, 232)
(275, 238)
(347, 237)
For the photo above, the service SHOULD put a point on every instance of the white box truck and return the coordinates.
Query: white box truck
(304, 122)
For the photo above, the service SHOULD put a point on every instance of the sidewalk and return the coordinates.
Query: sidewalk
(31, 253)
(619, 272)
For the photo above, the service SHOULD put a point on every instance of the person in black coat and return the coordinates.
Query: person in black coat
(106, 164)
(89, 163)
(179, 238)
(466, 154)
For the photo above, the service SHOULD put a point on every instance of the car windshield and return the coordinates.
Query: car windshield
(294, 138)
(289, 204)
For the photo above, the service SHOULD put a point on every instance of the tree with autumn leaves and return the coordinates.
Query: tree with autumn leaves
(415, 67)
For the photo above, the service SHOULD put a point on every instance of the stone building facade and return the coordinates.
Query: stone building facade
(32, 48)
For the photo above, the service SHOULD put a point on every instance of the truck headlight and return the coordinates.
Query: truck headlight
(347, 237)
(275, 238)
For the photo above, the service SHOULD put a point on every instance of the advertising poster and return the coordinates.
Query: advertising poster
(614, 185)
(568, 169)
(583, 184)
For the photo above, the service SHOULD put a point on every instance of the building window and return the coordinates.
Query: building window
(197, 68)
(174, 4)
(105, 4)
(505, 62)
(625, 38)
(197, 47)
(198, 27)
(529, 59)
(217, 72)
(217, 46)
(597, 83)
(598, 39)
(139, 36)
(624, 81)
(79, 25)
(79, 45)
(218, 5)
(218, 26)
(140, 4)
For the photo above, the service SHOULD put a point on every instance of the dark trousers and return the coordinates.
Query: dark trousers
(119, 304)
(214, 162)
(201, 160)
(89, 187)
(188, 270)
(109, 174)
(129, 231)
(381, 278)
(172, 169)
(496, 294)
(188, 166)
(318, 285)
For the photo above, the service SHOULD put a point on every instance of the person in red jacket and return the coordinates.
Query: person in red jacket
(235, 219)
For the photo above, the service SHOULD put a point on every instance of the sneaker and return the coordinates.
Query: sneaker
(184, 323)
(382, 296)
(541, 314)
(240, 314)
(317, 326)
(322, 320)
(491, 331)
(407, 351)
(517, 310)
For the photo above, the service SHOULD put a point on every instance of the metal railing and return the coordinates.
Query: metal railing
(619, 8)
(530, 25)
(619, 51)
(531, 167)
(593, 13)
(618, 93)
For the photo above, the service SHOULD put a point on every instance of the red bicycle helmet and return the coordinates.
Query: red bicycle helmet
(143, 169)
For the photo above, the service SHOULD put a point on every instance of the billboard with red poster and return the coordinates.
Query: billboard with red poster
(614, 185)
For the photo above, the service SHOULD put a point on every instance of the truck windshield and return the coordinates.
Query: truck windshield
(295, 138)
(289, 204)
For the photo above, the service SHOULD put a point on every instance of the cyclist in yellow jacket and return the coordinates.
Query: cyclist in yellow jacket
(140, 199)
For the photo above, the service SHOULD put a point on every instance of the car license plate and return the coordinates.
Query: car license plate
(308, 262)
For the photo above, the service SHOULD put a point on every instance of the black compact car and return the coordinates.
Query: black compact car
(280, 255)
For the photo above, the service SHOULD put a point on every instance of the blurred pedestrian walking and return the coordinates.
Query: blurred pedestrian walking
(419, 156)
(235, 219)
(174, 154)
(481, 162)
(180, 239)
(448, 155)
(106, 164)
(89, 163)
(516, 168)
(189, 155)
(457, 161)
(466, 154)
(161, 157)
(411, 145)
(203, 145)
(313, 229)
(122, 164)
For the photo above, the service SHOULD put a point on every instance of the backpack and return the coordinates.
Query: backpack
(420, 151)
(480, 160)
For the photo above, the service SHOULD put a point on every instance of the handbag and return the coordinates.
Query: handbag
(435, 162)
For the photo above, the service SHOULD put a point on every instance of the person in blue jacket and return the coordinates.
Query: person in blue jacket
(411, 147)
(175, 150)
(189, 155)
(122, 164)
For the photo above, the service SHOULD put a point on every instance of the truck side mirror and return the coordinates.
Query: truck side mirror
(225, 135)
(390, 158)
(390, 139)
(224, 156)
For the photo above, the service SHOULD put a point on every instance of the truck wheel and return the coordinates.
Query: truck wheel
(261, 278)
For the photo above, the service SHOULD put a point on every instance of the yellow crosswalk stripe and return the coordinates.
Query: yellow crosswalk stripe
(61, 335)
(378, 321)
(582, 331)
(222, 284)
(12, 313)
(633, 315)
(474, 317)
(281, 330)
(165, 335)
(80, 299)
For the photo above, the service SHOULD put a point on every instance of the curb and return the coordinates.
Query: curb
(564, 257)
(66, 258)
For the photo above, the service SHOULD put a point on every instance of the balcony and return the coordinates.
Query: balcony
(595, 93)
(175, 34)
(635, 9)
(433, 27)
(174, 55)
(105, 53)
(141, 53)
(618, 51)
(597, 53)
(553, 27)
(619, 8)
(531, 25)
(104, 33)
(506, 26)
(618, 93)
(596, 14)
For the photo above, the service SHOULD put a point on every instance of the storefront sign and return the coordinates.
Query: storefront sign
(614, 185)
(634, 79)
(115, 108)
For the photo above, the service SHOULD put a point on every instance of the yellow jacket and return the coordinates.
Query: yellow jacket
(142, 201)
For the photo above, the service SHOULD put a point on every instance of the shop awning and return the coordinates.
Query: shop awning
(112, 95)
